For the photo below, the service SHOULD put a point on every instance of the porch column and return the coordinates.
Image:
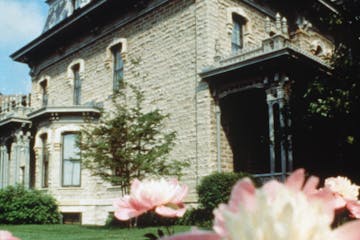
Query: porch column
(276, 95)
(283, 131)
(14, 162)
(2, 168)
(26, 158)
(270, 102)
(290, 148)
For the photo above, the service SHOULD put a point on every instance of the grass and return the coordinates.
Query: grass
(77, 232)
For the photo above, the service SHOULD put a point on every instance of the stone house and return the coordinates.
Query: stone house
(222, 70)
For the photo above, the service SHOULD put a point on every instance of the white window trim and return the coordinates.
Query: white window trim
(39, 87)
(70, 71)
(109, 54)
(229, 19)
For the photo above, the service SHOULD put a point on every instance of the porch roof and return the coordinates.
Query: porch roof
(276, 51)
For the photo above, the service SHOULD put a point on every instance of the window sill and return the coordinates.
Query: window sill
(71, 188)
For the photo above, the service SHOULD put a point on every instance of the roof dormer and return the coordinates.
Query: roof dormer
(61, 9)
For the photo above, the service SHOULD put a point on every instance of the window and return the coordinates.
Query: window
(71, 161)
(77, 84)
(79, 3)
(22, 175)
(118, 67)
(76, 4)
(45, 161)
(71, 218)
(44, 94)
(237, 37)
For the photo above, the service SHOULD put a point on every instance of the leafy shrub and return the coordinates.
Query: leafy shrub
(196, 216)
(22, 206)
(216, 188)
(149, 219)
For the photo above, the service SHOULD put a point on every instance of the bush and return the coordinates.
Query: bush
(196, 216)
(149, 219)
(216, 188)
(22, 206)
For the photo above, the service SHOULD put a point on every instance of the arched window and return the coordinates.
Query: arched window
(75, 76)
(44, 93)
(77, 84)
(118, 68)
(237, 27)
(115, 58)
(237, 37)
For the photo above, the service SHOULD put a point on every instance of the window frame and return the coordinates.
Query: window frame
(44, 159)
(237, 37)
(44, 93)
(77, 84)
(118, 66)
(63, 161)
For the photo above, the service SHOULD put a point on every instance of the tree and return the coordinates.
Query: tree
(334, 101)
(128, 142)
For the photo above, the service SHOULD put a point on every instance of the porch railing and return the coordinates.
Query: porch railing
(14, 106)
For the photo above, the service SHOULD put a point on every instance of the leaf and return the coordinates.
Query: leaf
(160, 233)
(150, 236)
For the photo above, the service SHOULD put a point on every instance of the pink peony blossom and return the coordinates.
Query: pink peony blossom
(5, 235)
(164, 197)
(295, 210)
(345, 193)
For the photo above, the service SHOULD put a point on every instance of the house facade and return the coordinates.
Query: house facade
(222, 69)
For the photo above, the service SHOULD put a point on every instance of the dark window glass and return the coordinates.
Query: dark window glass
(71, 218)
(44, 93)
(45, 162)
(118, 67)
(71, 161)
(77, 85)
(237, 34)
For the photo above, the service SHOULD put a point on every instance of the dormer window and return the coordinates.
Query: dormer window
(79, 3)
(237, 37)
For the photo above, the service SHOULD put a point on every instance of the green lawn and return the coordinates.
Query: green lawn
(76, 232)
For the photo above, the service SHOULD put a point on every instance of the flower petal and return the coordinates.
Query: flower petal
(5, 235)
(125, 209)
(354, 208)
(310, 186)
(219, 221)
(170, 212)
(348, 231)
(243, 193)
(296, 180)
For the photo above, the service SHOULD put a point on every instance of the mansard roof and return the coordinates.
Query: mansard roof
(67, 25)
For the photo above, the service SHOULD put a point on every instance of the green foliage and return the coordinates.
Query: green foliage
(129, 142)
(149, 219)
(197, 217)
(22, 206)
(216, 188)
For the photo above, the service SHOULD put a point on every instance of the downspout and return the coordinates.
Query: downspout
(195, 99)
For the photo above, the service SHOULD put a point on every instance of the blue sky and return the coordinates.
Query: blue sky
(20, 22)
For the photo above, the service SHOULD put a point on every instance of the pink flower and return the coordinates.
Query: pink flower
(345, 193)
(295, 210)
(5, 235)
(164, 197)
